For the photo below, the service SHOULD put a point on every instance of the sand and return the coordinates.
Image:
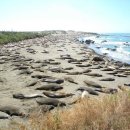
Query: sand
(49, 47)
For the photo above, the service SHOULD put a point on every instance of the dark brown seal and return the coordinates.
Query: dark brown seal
(49, 101)
(52, 87)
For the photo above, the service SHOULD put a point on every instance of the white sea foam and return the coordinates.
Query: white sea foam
(117, 50)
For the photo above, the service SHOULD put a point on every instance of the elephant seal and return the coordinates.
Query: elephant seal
(31, 83)
(58, 70)
(107, 79)
(27, 72)
(86, 71)
(120, 75)
(3, 115)
(29, 96)
(93, 84)
(108, 90)
(69, 79)
(68, 68)
(124, 88)
(46, 108)
(57, 95)
(112, 73)
(54, 63)
(127, 84)
(107, 69)
(96, 67)
(58, 81)
(72, 60)
(50, 101)
(38, 76)
(52, 87)
(87, 65)
(12, 110)
(74, 73)
(89, 90)
(94, 74)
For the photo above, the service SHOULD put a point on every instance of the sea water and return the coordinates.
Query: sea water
(114, 45)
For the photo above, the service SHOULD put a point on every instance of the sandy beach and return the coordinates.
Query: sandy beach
(55, 59)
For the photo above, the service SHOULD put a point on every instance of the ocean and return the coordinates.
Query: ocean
(113, 45)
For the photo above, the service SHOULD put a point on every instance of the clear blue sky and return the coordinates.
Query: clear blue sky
(80, 15)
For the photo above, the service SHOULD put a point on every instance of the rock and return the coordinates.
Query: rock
(103, 41)
(97, 58)
(89, 41)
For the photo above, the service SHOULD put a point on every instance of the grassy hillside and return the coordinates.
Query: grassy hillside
(6, 37)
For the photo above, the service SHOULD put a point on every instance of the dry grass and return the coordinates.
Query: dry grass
(110, 113)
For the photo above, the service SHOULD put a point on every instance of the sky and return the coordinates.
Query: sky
(79, 15)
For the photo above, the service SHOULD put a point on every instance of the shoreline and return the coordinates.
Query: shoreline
(60, 57)
(110, 48)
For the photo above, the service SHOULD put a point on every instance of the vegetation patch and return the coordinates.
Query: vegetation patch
(8, 37)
